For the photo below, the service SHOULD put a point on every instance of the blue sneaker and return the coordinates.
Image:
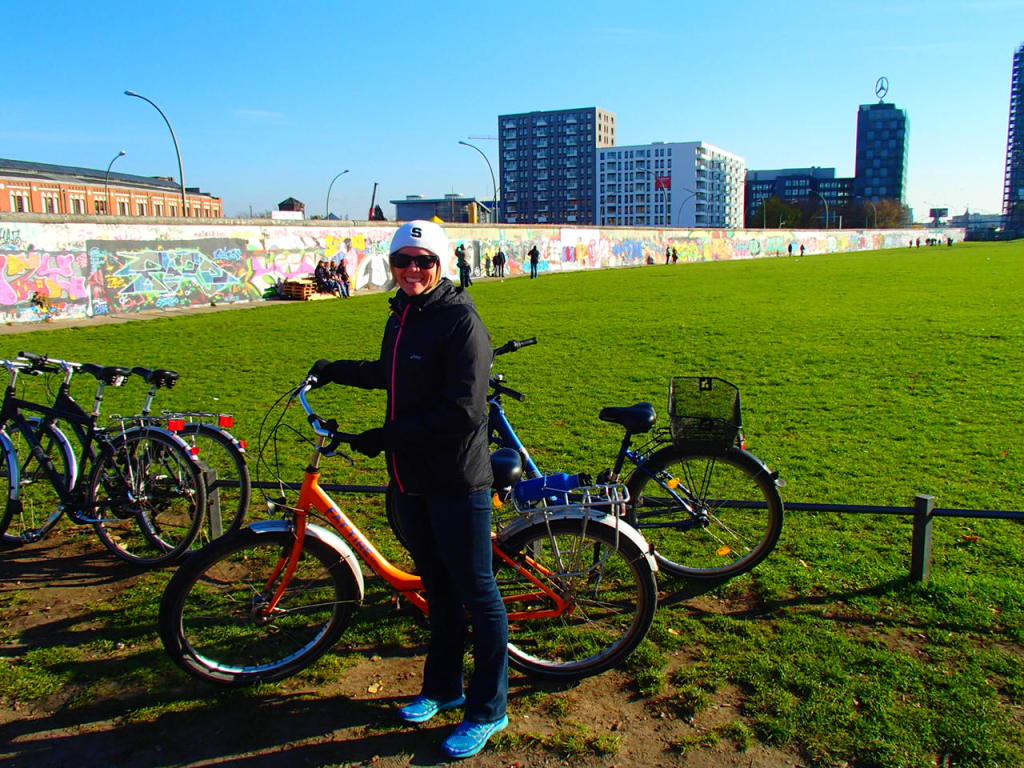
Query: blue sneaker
(422, 709)
(469, 738)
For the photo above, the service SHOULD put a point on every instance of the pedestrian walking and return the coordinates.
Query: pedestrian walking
(534, 261)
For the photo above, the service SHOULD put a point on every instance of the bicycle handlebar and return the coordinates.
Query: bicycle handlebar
(323, 427)
(514, 346)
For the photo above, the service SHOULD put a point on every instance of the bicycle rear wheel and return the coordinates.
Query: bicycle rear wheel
(708, 515)
(35, 509)
(227, 498)
(211, 622)
(147, 498)
(605, 579)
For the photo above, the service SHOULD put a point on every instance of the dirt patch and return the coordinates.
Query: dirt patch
(47, 592)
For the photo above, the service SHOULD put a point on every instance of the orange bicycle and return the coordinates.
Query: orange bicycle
(264, 602)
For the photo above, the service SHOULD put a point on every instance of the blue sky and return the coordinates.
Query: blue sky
(271, 100)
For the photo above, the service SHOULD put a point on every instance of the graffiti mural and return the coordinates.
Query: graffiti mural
(83, 269)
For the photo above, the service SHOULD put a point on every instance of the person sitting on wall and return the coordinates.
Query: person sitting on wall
(341, 275)
(324, 282)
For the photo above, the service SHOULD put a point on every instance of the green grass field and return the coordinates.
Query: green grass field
(867, 378)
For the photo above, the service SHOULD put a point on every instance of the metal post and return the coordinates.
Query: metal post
(327, 207)
(106, 179)
(921, 546)
(826, 205)
(181, 169)
(494, 186)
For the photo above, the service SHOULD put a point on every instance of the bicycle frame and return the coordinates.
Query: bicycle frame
(64, 409)
(409, 585)
(504, 435)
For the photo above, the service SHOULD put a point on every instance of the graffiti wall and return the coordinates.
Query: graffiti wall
(52, 268)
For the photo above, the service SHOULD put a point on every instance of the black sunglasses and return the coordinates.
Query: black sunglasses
(424, 261)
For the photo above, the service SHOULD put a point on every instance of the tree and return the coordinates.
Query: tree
(774, 213)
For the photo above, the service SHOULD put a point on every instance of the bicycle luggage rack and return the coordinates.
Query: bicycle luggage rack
(601, 499)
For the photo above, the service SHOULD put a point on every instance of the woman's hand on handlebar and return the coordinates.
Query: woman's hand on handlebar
(317, 374)
(369, 443)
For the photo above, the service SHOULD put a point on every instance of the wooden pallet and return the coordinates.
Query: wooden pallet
(299, 290)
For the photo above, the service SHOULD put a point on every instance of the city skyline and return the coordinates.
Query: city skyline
(276, 102)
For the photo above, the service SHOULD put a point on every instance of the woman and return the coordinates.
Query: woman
(435, 365)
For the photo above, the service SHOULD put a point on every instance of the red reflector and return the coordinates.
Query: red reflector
(176, 425)
(195, 450)
(244, 444)
(226, 420)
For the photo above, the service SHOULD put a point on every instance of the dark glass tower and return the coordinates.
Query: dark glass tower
(1013, 178)
(881, 166)
(548, 164)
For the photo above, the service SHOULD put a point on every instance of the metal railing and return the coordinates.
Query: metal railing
(923, 512)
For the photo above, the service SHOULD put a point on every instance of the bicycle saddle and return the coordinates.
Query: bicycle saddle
(108, 374)
(635, 418)
(158, 378)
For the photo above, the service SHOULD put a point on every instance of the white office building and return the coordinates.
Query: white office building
(688, 184)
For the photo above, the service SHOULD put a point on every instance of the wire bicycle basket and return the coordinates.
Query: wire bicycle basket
(704, 412)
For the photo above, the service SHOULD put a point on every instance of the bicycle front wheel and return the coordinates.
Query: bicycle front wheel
(214, 621)
(608, 589)
(35, 510)
(147, 498)
(708, 515)
(228, 485)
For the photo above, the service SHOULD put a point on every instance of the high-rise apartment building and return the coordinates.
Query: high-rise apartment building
(1013, 178)
(547, 164)
(881, 165)
(683, 184)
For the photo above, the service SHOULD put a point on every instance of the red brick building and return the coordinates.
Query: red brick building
(41, 188)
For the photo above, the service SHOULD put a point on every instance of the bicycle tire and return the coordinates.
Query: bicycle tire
(218, 450)
(605, 578)
(394, 521)
(738, 511)
(209, 623)
(147, 497)
(36, 507)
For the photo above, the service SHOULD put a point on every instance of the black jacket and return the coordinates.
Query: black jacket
(435, 364)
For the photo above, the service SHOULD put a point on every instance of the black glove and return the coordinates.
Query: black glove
(369, 443)
(319, 370)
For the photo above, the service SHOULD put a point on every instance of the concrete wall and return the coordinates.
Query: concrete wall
(98, 266)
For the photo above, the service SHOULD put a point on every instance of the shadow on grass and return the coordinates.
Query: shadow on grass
(237, 728)
(686, 589)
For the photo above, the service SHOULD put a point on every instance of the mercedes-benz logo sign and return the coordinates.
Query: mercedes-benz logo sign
(881, 88)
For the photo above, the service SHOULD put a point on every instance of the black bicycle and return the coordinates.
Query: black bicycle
(139, 487)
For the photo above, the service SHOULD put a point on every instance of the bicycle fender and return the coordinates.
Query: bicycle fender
(755, 463)
(330, 538)
(612, 522)
(14, 466)
(225, 433)
(150, 429)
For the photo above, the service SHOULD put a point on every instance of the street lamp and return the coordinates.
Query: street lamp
(181, 170)
(106, 180)
(826, 205)
(874, 210)
(327, 208)
(679, 211)
(494, 187)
